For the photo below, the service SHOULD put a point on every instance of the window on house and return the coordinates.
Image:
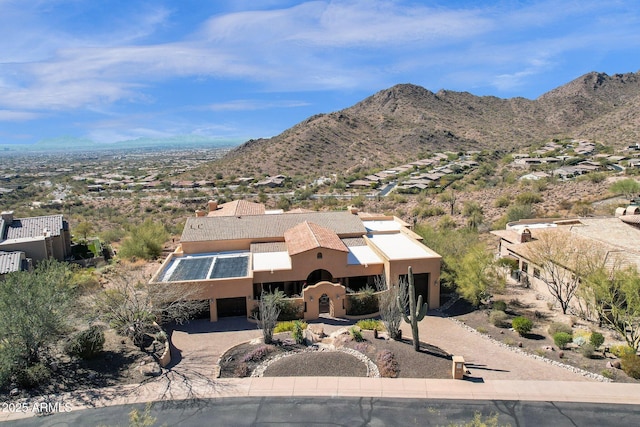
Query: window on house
(536, 273)
(525, 267)
(319, 255)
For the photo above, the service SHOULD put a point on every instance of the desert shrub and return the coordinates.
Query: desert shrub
(289, 310)
(33, 375)
(522, 325)
(363, 303)
(369, 324)
(587, 350)
(499, 318)
(387, 364)
(296, 333)
(528, 198)
(556, 327)
(257, 354)
(596, 339)
(500, 305)
(356, 334)
(86, 344)
(502, 202)
(288, 325)
(562, 339)
(622, 350)
(579, 340)
(631, 365)
(242, 370)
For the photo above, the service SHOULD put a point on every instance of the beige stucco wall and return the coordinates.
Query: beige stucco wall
(336, 293)
(34, 249)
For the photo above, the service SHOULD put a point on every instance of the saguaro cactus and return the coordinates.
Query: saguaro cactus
(417, 311)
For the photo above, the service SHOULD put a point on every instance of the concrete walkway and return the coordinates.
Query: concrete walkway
(496, 373)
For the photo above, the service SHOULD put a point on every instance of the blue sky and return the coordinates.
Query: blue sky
(119, 70)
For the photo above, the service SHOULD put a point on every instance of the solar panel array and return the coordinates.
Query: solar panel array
(191, 269)
(230, 267)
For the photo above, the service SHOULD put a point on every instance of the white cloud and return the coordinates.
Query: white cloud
(251, 105)
(17, 116)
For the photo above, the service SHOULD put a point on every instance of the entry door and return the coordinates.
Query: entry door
(324, 303)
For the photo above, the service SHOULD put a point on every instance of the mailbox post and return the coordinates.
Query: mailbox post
(458, 368)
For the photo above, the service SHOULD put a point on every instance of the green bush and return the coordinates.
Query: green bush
(297, 334)
(144, 241)
(596, 339)
(631, 365)
(500, 305)
(370, 324)
(33, 376)
(587, 350)
(562, 339)
(499, 318)
(522, 325)
(362, 304)
(290, 311)
(86, 344)
(356, 334)
(287, 326)
(556, 327)
(622, 350)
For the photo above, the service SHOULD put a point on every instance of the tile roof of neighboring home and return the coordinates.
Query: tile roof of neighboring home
(261, 248)
(238, 207)
(268, 227)
(308, 236)
(22, 228)
(10, 262)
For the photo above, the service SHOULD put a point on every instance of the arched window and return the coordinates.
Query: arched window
(319, 256)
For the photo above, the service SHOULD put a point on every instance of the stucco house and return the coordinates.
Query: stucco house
(238, 249)
(39, 238)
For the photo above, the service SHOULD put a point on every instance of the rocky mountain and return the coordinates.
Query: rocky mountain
(406, 121)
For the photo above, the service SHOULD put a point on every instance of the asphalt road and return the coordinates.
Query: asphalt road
(349, 412)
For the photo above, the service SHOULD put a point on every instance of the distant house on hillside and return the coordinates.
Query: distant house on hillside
(39, 238)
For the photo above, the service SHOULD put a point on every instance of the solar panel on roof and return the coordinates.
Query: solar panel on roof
(230, 267)
(191, 269)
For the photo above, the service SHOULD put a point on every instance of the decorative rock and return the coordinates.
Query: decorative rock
(561, 354)
(150, 370)
(616, 364)
(54, 367)
(609, 365)
(92, 376)
(14, 392)
(520, 344)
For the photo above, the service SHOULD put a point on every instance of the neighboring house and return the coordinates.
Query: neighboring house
(13, 261)
(315, 258)
(40, 237)
(617, 237)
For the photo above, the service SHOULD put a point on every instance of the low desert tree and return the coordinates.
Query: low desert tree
(144, 241)
(34, 308)
(267, 316)
(390, 313)
(134, 307)
(473, 212)
(85, 228)
(563, 260)
(629, 188)
(478, 275)
(614, 294)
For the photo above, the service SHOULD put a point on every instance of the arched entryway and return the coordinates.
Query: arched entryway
(318, 276)
(324, 304)
(324, 297)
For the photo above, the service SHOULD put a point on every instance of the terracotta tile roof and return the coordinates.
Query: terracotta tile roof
(238, 208)
(267, 227)
(22, 228)
(307, 236)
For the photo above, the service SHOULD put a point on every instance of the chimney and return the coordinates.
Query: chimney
(213, 205)
(525, 235)
(7, 216)
(200, 213)
(353, 210)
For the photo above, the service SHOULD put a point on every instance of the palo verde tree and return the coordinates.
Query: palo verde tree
(614, 294)
(478, 275)
(34, 307)
(563, 260)
(417, 310)
(144, 241)
(134, 307)
(629, 188)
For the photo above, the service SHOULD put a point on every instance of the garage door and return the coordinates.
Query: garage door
(228, 307)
